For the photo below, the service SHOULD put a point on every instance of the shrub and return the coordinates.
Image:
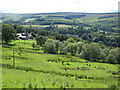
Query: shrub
(111, 59)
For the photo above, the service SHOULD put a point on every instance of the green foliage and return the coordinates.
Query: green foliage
(116, 53)
(114, 87)
(103, 57)
(66, 69)
(51, 46)
(40, 40)
(72, 48)
(33, 45)
(85, 37)
(30, 85)
(19, 29)
(63, 49)
(80, 47)
(70, 40)
(92, 52)
(111, 58)
(8, 33)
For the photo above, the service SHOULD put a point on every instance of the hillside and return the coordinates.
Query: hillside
(41, 70)
(108, 19)
(60, 50)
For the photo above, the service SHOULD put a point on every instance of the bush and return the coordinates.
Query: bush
(51, 46)
(111, 59)
(92, 52)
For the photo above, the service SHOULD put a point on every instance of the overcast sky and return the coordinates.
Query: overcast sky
(43, 6)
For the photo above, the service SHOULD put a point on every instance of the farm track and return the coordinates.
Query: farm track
(8, 66)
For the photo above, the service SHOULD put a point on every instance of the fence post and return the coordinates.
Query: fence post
(13, 59)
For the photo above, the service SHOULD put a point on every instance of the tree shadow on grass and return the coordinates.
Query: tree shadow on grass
(10, 57)
(21, 57)
(8, 45)
(11, 44)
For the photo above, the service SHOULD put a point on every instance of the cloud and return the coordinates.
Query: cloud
(41, 6)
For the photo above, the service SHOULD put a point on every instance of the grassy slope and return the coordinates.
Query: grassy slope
(13, 78)
(10, 16)
(90, 19)
(59, 26)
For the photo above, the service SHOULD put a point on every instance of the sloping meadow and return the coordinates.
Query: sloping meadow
(36, 69)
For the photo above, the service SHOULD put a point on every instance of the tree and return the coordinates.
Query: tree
(72, 48)
(85, 37)
(103, 57)
(57, 44)
(80, 47)
(8, 33)
(52, 37)
(116, 53)
(18, 28)
(70, 40)
(106, 51)
(51, 46)
(63, 49)
(92, 52)
(33, 45)
(111, 58)
(40, 40)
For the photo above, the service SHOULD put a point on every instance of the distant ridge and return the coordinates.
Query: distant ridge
(61, 13)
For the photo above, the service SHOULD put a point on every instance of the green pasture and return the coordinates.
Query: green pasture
(59, 25)
(36, 69)
(30, 19)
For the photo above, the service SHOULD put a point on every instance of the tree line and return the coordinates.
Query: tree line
(56, 43)
(88, 51)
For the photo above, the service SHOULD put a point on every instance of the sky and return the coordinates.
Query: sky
(46, 6)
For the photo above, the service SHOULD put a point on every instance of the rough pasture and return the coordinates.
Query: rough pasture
(36, 69)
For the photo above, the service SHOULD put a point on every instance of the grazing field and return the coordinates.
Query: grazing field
(36, 69)
(99, 19)
(31, 19)
(59, 26)
(94, 19)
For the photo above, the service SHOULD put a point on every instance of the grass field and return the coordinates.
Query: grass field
(104, 20)
(59, 26)
(94, 20)
(36, 69)
(31, 19)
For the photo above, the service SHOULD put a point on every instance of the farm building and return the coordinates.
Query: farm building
(23, 36)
